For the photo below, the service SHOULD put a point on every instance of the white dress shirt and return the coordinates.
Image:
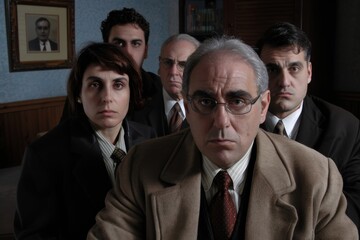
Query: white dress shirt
(291, 122)
(237, 173)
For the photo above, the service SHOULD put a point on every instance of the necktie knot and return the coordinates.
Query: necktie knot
(280, 129)
(223, 181)
(175, 120)
(117, 155)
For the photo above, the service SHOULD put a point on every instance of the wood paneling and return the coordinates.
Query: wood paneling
(20, 122)
(248, 19)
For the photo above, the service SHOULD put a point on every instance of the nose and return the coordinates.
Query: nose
(106, 95)
(174, 69)
(127, 49)
(221, 116)
(284, 78)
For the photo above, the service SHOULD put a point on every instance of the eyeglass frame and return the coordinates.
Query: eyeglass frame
(170, 62)
(248, 103)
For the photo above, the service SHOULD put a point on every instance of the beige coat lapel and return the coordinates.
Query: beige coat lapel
(177, 208)
(267, 214)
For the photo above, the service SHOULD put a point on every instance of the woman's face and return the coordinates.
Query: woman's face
(105, 96)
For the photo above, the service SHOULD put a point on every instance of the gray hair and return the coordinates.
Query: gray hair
(235, 46)
(178, 37)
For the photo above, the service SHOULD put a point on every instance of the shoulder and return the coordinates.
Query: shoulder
(290, 153)
(60, 136)
(151, 83)
(162, 147)
(140, 128)
(328, 110)
(34, 41)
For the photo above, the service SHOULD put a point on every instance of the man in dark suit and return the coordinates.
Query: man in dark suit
(332, 131)
(224, 178)
(42, 42)
(161, 110)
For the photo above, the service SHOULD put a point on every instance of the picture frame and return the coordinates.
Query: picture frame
(40, 34)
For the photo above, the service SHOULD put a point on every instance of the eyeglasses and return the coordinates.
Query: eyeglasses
(206, 105)
(168, 63)
(43, 28)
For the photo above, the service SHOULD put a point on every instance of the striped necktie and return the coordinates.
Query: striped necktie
(175, 120)
(280, 129)
(117, 156)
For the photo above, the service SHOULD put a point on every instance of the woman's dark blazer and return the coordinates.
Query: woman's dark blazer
(64, 181)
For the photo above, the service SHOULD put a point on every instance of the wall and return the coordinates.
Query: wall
(18, 86)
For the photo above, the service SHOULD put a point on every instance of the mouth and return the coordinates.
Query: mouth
(107, 112)
(221, 141)
(282, 94)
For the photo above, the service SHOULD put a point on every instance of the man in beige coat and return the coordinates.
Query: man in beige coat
(279, 189)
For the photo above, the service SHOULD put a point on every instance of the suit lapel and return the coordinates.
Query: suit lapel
(311, 119)
(177, 207)
(89, 169)
(271, 182)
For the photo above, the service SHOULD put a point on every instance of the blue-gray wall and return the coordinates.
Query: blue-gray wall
(17, 86)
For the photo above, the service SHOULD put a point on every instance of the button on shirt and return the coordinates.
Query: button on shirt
(107, 149)
(291, 122)
(169, 103)
(237, 173)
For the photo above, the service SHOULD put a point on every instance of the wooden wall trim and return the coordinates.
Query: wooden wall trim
(31, 104)
(21, 121)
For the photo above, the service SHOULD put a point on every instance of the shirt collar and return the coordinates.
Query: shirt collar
(169, 103)
(108, 148)
(291, 122)
(236, 172)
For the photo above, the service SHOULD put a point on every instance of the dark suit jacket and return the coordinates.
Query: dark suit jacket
(335, 133)
(64, 181)
(35, 46)
(153, 114)
(295, 193)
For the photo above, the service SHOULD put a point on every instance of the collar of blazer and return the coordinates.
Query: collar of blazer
(268, 162)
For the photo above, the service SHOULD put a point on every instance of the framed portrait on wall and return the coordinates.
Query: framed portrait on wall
(40, 34)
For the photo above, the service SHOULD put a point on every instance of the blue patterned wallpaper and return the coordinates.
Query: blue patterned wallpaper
(18, 86)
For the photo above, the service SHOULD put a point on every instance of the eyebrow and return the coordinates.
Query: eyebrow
(275, 65)
(231, 94)
(95, 78)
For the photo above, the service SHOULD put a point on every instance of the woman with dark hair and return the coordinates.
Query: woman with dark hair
(67, 172)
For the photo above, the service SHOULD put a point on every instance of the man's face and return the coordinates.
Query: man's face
(131, 38)
(43, 30)
(221, 136)
(174, 54)
(289, 76)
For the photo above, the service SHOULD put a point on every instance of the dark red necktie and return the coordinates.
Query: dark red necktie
(175, 120)
(222, 209)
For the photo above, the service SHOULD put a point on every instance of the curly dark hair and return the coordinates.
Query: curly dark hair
(108, 56)
(122, 17)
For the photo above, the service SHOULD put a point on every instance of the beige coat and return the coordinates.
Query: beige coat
(296, 193)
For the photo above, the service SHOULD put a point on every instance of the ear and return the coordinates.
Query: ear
(158, 72)
(265, 101)
(186, 105)
(309, 69)
(146, 52)
(78, 100)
